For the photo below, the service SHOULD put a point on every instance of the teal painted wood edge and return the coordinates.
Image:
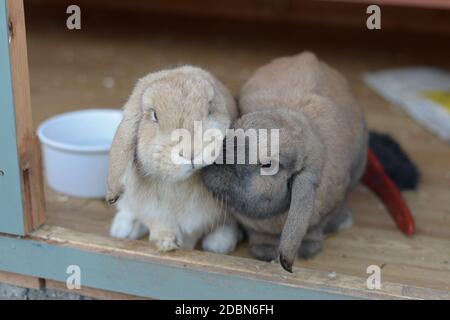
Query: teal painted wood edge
(11, 206)
(141, 278)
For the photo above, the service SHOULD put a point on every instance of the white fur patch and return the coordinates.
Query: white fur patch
(125, 226)
(166, 242)
(222, 240)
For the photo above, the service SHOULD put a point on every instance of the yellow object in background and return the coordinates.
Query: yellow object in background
(440, 97)
(423, 92)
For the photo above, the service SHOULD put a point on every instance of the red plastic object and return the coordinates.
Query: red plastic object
(382, 185)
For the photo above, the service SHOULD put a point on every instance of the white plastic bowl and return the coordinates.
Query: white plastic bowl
(75, 149)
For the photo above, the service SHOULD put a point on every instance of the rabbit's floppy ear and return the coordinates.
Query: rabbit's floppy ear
(297, 222)
(124, 144)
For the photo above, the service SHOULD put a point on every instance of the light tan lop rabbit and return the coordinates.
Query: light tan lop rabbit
(153, 192)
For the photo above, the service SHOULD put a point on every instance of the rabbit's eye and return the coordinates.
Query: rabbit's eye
(266, 164)
(153, 115)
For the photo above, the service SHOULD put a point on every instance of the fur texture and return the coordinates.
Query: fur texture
(322, 155)
(153, 192)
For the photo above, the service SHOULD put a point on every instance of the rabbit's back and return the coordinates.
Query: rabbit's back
(324, 97)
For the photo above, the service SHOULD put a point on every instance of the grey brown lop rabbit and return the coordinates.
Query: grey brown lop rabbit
(322, 155)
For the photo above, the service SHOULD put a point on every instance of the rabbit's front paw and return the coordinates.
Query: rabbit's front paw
(222, 240)
(125, 226)
(309, 248)
(165, 242)
(264, 252)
